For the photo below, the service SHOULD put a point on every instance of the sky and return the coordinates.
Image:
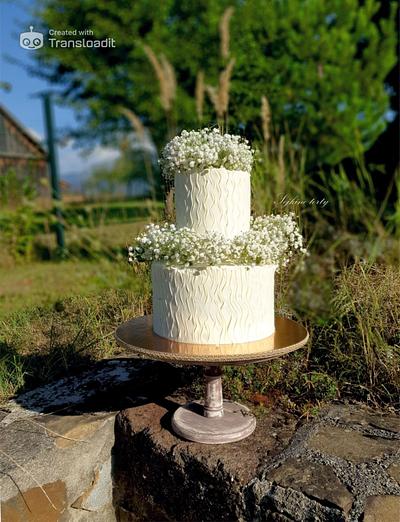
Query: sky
(22, 101)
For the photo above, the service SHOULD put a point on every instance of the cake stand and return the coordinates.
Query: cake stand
(213, 420)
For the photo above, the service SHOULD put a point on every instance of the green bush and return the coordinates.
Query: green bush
(107, 213)
(14, 189)
(18, 230)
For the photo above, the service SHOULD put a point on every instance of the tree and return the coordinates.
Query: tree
(321, 64)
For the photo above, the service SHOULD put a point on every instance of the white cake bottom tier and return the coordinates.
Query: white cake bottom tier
(213, 305)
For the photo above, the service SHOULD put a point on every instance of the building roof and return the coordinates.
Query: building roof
(16, 141)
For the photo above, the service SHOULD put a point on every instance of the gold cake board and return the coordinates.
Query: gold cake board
(212, 421)
(137, 336)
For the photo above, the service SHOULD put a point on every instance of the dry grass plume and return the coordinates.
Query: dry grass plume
(140, 131)
(220, 96)
(224, 31)
(166, 77)
(134, 121)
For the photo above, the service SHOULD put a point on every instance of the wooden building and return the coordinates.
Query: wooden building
(23, 164)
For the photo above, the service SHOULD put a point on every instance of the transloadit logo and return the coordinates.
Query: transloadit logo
(31, 40)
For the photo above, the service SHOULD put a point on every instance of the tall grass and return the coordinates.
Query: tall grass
(199, 95)
(339, 209)
(364, 333)
(354, 351)
(277, 183)
(219, 95)
(12, 373)
(45, 343)
(166, 77)
(224, 31)
(142, 136)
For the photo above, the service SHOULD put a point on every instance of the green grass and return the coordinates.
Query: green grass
(58, 316)
(27, 234)
(123, 203)
(97, 261)
(41, 284)
(91, 214)
(95, 214)
(108, 240)
(40, 344)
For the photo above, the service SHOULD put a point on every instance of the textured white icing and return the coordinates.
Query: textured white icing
(216, 200)
(217, 304)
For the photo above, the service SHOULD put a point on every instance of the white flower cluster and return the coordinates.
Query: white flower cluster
(270, 240)
(205, 149)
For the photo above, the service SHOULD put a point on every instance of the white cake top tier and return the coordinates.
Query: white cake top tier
(214, 200)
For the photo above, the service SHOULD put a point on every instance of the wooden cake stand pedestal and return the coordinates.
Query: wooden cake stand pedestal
(213, 420)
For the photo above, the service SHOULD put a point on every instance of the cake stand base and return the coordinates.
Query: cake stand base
(213, 421)
(235, 424)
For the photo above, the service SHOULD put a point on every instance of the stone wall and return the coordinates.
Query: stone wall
(56, 443)
(60, 462)
(342, 466)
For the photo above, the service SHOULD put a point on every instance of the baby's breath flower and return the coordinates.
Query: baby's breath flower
(271, 240)
(204, 149)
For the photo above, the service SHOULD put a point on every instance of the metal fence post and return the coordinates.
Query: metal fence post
(54, 176)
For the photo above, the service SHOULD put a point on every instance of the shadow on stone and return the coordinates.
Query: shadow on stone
(110, 385)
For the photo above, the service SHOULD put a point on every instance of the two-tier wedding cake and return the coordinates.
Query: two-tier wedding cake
(213, 272)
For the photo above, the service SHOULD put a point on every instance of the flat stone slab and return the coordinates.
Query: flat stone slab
(46, 504)
(382, 509)
(365, 418)
(316, 481)
(44, 471)
(351, 445)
